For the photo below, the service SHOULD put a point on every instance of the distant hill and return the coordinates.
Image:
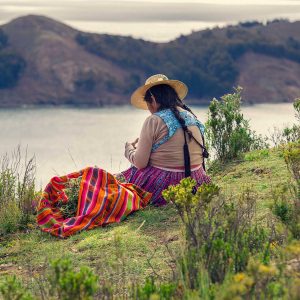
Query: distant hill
(43, 61)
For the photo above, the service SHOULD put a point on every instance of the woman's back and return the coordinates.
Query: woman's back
(161, 142)
(170, 154)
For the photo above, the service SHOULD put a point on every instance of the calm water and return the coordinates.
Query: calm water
(68, 139)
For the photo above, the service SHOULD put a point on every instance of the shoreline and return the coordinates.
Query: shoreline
(128, 105)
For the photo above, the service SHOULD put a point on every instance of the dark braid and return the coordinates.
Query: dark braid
(185, 107)
(186, 153)
(167, 97)
(188, 109)
(205, 153)
(181, 120)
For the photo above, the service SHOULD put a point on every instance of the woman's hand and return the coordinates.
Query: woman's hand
(129, 146)
(130, 149)
(134, 143)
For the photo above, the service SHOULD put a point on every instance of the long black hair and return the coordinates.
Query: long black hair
(168, 98)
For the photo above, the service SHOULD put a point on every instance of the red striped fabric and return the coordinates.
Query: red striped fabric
(102, 200)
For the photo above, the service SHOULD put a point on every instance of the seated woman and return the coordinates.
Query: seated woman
(170, 147)
(157, 156)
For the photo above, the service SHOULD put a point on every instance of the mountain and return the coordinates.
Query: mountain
(43, 61)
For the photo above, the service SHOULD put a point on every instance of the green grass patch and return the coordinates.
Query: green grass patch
(135, 248)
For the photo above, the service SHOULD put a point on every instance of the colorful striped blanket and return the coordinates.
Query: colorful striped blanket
(102, 200)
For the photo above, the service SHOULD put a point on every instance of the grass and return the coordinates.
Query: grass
(136, 247)
(260, 173)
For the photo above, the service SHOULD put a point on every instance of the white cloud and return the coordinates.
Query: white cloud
(95, 15)
(163, 10)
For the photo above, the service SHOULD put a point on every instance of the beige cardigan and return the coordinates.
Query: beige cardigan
(168, 155)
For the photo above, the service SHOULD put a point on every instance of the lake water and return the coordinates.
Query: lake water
(68, 139)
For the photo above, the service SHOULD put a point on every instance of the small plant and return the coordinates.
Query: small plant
(283, 205)
(67, 284)
(287, 134)
(10, 218)
(151, 290)
(291, 155)
(69, 208)
(229, 134)
(291, 134)
(257, 155)
(17, 191)
(276, 280)
(288, 209)
(12, 289)
(297, 108)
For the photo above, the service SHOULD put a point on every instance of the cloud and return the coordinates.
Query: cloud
(142, 11)
(168, 18)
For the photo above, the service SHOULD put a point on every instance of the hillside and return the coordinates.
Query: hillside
(43, 61)
(135, 248)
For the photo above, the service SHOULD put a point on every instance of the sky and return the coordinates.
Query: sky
(157, 20)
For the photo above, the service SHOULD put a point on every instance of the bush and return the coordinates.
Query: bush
(11, 69)
(67, 284)
(297, 108)
(220, 235)
(292, 159)
(288, 134)
(291, 134)
(10, 218)
(69, 208)
(17, 191)
(228, 132)
(12, 289)
(151, 290)
(279, 280)
(282, 203)
(61, 282)
(286, 198)
(3, 39)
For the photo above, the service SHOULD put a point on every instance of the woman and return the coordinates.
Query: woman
(162, 155)
(157, 156)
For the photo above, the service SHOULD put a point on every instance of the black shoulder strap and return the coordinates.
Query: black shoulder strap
(187, 159)
(205, 153)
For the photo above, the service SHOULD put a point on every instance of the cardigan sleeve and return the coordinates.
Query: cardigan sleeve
(140, 156)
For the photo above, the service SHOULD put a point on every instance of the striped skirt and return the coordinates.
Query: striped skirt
(155, 180)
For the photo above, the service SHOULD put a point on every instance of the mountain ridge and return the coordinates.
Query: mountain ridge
(65, 66)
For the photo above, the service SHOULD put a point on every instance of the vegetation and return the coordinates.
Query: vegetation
(11, 288)
(237, 238)
(3, 39)
(11, 68)
(221, 234)
(11, 64)
(289, 133)
(228, 133)
(17, 191)
(206, 61)
(69, 209)
(63, 282)
(288, 209)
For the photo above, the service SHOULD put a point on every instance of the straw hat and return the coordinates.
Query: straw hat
(137, 98)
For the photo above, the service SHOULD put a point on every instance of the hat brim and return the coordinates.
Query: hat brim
(137, 97)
